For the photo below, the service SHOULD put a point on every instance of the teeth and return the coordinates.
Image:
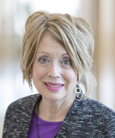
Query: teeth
(54, 86)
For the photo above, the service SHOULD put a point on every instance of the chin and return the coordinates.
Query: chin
(53, 97)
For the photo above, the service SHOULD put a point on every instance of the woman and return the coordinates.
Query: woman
(57, 56)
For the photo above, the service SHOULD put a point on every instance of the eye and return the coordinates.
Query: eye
(66, 62)
(44, 60)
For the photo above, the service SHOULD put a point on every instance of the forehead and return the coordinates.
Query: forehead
(49, 43)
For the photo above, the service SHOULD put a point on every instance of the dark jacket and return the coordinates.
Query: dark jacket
(85, 119)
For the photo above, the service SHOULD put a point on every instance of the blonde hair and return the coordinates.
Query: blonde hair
(73, 33)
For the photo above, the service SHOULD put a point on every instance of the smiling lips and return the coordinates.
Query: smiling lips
(54, 86)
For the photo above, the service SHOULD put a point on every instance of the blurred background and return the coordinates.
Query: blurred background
(13, 14)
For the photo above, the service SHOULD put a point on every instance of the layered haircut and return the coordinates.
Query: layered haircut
(73, 33)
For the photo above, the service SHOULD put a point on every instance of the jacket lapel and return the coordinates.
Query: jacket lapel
(28, 111)
(65, 128)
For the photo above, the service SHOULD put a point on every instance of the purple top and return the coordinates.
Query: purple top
(45, 129)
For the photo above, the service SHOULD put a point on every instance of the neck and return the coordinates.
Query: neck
(55, 111)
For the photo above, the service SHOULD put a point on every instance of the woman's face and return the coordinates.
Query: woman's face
(53, 75)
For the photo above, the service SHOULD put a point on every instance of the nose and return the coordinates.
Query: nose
(54, 71)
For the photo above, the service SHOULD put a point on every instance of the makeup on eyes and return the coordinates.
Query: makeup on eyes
(45, 58)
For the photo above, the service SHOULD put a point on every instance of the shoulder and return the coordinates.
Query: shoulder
(95, 115)
(25, 100)
(101, 115)
(93, 110)
(98, 113)
(22, 104)
(97, 107)
(19, 115)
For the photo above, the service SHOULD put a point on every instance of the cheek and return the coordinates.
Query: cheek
(37, 72)
(71, 77)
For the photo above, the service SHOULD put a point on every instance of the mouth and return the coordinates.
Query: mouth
(53, 86)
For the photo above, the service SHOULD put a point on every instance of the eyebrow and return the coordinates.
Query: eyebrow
(49, 54)
(43, 53)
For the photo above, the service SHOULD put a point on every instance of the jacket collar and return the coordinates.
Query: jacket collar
(65, 126)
